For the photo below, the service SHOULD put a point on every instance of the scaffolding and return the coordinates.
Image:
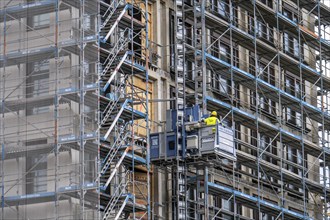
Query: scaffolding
(263, 66)
(75, 109)
(125, 167)
(74, 127)
(49, 104)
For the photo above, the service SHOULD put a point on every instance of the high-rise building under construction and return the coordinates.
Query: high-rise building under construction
(104, 108)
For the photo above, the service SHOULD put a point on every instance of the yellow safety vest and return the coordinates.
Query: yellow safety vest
(211, 120)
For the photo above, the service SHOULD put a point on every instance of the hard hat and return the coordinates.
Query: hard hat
(214, 113)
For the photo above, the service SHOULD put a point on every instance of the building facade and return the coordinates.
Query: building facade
(85, 82)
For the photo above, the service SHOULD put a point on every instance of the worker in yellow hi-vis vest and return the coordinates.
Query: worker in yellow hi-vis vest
(212, 120)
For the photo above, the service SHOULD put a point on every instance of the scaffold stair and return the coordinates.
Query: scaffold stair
(115, 113)
(113, 15)
(109, 78)
(113, 152)
(109, 110)
(108, 11)
(119, 46)
(116, 168)
(117, 196)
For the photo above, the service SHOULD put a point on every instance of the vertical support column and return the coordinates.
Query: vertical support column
(202, 208)
(56, 151)
(131, 35)
(257, 103)
(2, 176)
(206, 193)
(204, 78)
(180, 82)
(179, 206)
(98, 70)
(281, 150)
(198, 194)
(81, 110)
(179, 56)
(200, 56)
(322, 91)
(56, 113)
(233, 88)
(147, 108)
(303, 155)
(2, 121)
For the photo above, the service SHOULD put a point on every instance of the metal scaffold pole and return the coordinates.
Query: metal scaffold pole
(56, 115)
(3, 83)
